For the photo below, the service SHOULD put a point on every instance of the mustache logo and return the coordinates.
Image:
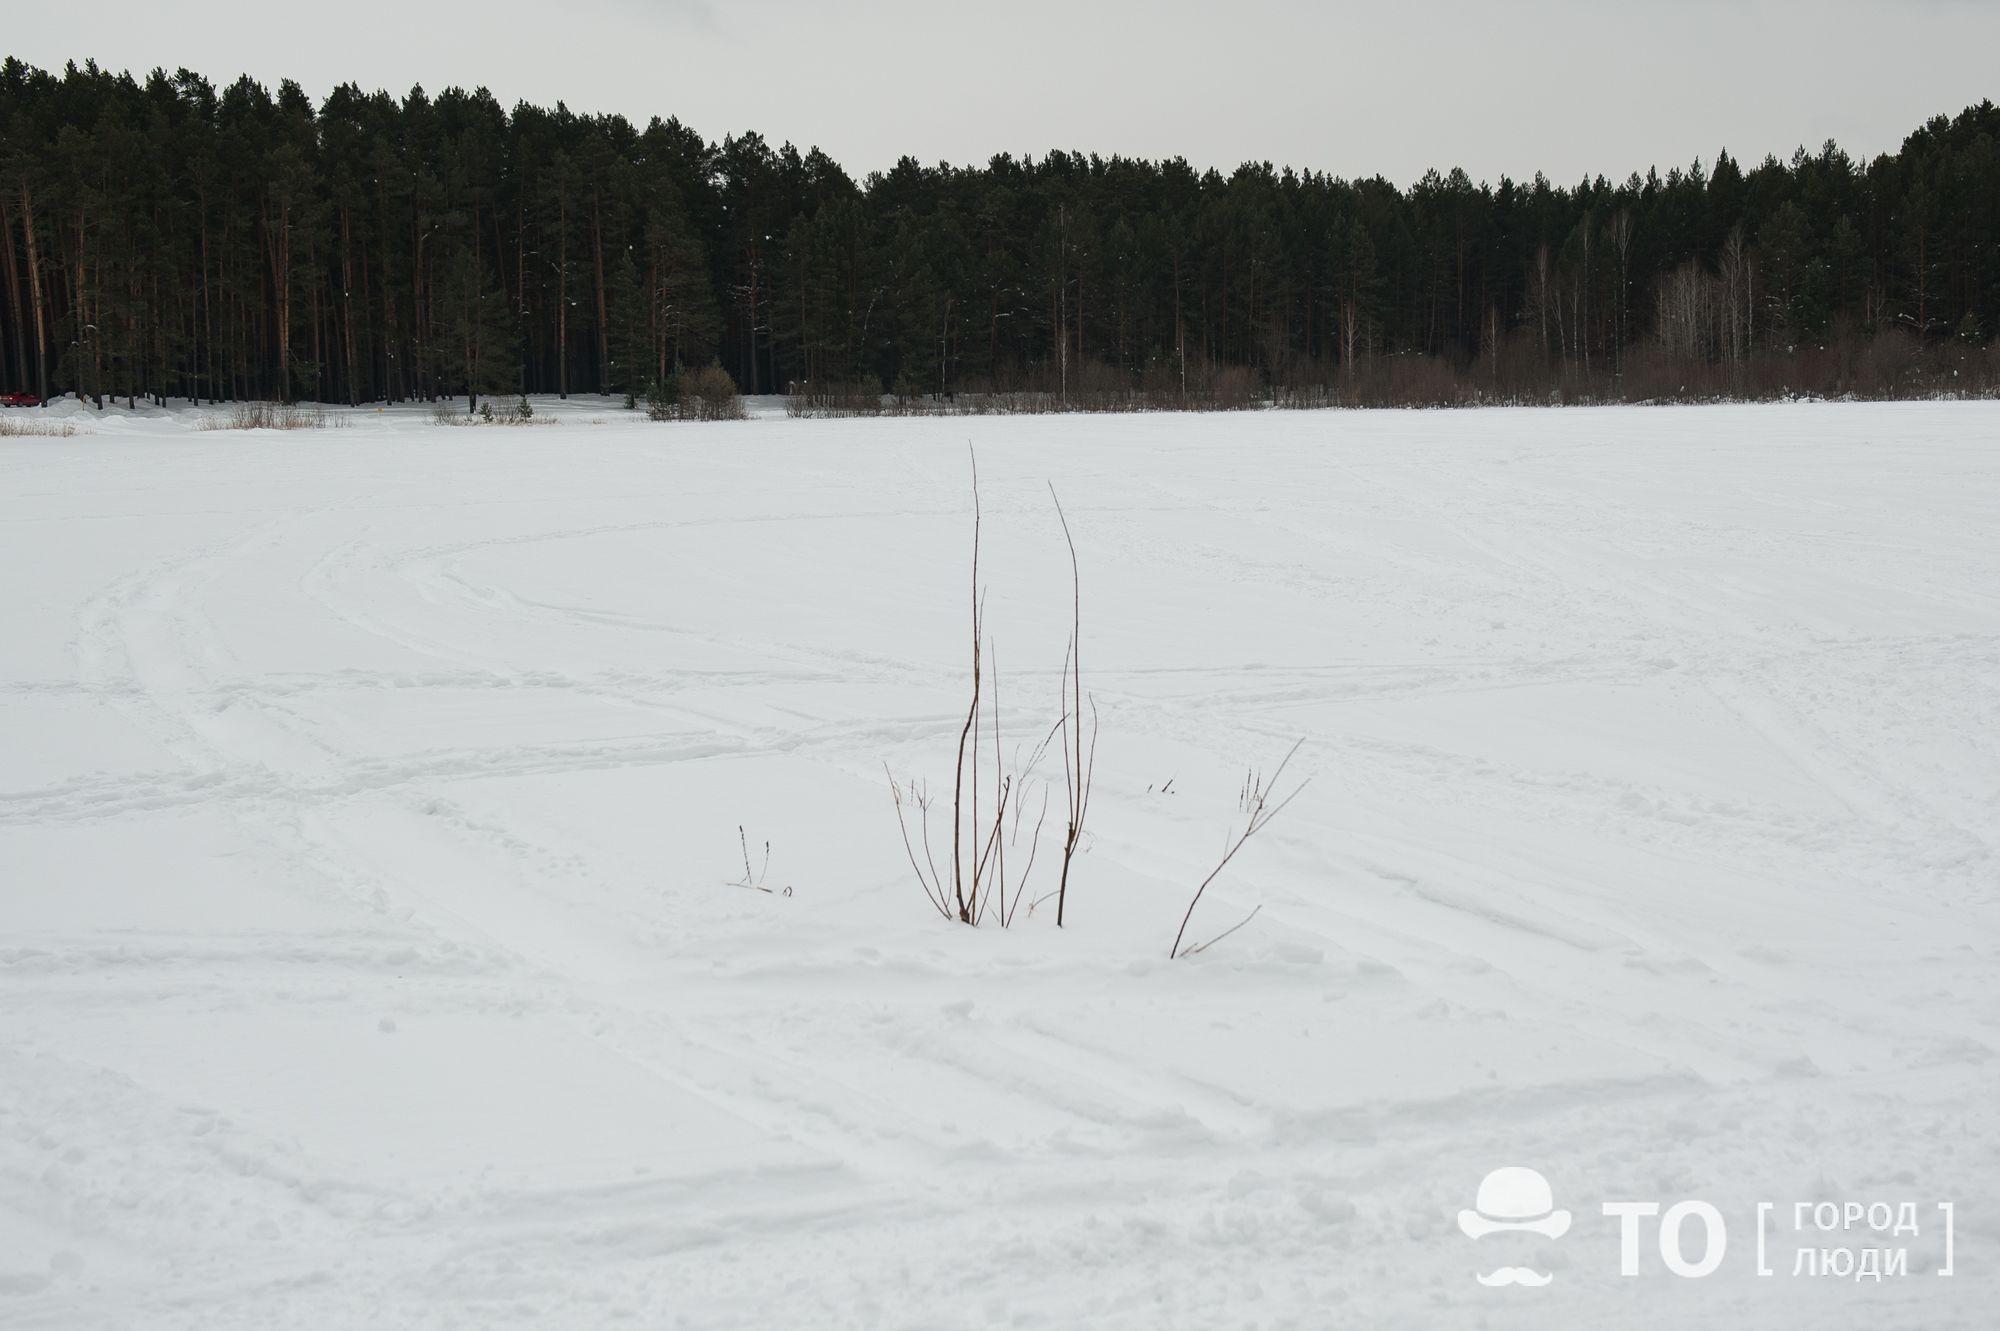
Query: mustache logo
(1514, 1199)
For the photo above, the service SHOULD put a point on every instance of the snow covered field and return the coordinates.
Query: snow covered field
(369, 954)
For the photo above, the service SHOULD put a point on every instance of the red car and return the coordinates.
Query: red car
(22, 399)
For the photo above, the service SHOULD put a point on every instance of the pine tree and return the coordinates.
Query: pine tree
(479, 329)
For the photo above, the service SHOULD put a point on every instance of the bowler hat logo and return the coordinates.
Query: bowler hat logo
(1514, 1199)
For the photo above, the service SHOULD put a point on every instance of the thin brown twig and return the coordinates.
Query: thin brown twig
(1034, 845)
(971, 719)
(1261, 812)
(1203, 947)
(753, 879)
(932, 885)
(1001, 786)
(1077, 774)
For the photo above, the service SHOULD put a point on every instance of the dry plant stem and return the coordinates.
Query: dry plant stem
(1077, 771)
(930, 855)
(1034, 844)
(1203, 947)
(984, 878)
(753, 881)
(933, 886)
(1079, 766)
(1040, 751)
(989, 872)
(966, 735)
(1257, 797)
(1001, 786)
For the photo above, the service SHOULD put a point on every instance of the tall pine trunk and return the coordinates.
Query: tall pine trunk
(16, 310)
(562, 296)
(35, 288)
(603, 323)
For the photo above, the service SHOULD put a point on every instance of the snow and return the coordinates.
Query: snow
(372, 951)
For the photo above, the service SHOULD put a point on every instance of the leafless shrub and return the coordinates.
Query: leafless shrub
(266, 416)
(706, 394)
(1254, 802)
(1305, 397)
(976, 882)
(966, 878)
(830, 399)
(1692, 358)
(1233, 388)
(519, 412)
(1090, 386)
(712, 394)
(14, 427)
(505, 420)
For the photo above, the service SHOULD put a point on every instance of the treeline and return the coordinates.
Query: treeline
(166, 238)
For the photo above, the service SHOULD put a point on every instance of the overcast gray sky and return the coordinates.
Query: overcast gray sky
(1565, 86)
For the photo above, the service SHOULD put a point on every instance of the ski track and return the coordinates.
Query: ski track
(371, 951)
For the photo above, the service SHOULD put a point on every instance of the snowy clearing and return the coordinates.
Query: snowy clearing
(370, 953)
